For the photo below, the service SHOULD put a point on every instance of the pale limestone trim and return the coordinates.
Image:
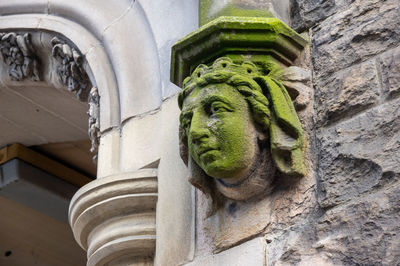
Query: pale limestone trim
(102, 75)
(115, 216)
(118, 44)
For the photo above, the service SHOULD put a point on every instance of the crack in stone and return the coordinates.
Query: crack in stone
(118, 19)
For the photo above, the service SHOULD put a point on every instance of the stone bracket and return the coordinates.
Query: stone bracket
(255, 39)
(114, 217)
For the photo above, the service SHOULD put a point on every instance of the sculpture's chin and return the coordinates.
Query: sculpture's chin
(233, 170)
(256, 182)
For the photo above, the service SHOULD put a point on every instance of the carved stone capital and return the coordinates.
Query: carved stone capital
(20, 56)
(113, 218)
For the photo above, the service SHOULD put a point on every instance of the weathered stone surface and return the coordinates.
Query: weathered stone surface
(20, 55)
(345, 177)
(289, 204)
(363, 232)
(249, 253)
(357, 156)
(366, 28)
(389, 64)
(347, 92)
(306, 13)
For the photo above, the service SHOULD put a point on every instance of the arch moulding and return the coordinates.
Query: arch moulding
(112, 40)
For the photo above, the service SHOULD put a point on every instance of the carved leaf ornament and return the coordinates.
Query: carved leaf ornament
(70, 68)
(19, 54)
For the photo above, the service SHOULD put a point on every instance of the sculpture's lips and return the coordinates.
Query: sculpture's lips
(203, 149)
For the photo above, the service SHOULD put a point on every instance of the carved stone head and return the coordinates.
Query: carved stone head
(238, 125)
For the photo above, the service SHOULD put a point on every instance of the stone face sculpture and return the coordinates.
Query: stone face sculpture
(239, 125)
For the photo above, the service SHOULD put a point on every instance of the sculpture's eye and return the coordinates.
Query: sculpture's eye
(219, 107)
(186, 120)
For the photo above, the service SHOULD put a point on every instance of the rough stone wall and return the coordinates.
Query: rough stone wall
(346, 211)
(355, 54)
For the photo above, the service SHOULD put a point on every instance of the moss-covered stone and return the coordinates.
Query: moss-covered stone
(209, 12)
(256, 39)
(238, 122)
(234, 117)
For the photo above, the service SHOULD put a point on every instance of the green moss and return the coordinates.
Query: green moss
(220, 123)
(230, 36)
(227, 106)
(229, 9)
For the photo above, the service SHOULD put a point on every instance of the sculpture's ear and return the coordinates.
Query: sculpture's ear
(285, 130)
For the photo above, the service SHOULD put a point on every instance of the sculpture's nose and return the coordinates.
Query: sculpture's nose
(198, 127)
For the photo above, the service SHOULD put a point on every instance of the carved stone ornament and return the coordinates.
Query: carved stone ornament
(94, 120)
(70, 68)
(238, 125)
(19, 54)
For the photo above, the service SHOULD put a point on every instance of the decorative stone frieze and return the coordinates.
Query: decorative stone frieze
(70, 68)
(94, 120)
(113, 218)
(239, 126)
(19, 54)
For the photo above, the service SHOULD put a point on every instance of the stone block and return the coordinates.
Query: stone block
(140, 141)
(176, 202)
(108, 155)
(365, 232)
(294, 247)
(21, 6)
(307, 13)
(359, 155)
(347, 92)
(95, 16)
(168, 27)
(249, 253)
(139, 85)
(290, 203)
(389, 64)
(106, 84)
(212, 9)
(365, 29)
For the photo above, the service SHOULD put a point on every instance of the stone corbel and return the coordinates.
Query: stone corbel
(250, 58)
(20, 55)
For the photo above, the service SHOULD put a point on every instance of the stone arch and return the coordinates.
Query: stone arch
(96, 31)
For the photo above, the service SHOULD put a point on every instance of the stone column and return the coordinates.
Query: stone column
(113, 218)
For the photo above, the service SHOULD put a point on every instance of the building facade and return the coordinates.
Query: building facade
(334, 192)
